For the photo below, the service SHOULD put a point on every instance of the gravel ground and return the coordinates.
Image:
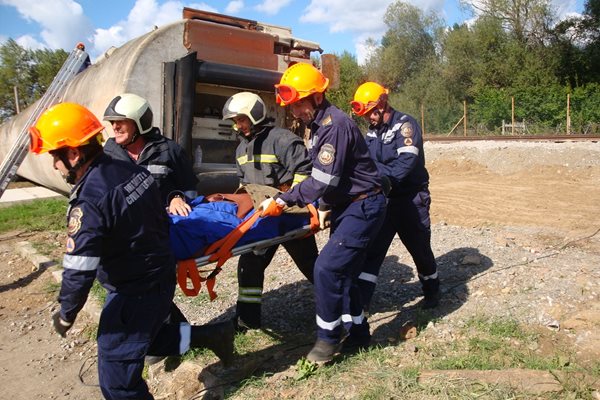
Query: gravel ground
(538, 275)
(515, 234)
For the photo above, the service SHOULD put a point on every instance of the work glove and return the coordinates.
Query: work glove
(324, 217)
(60, 325)
(271, 207)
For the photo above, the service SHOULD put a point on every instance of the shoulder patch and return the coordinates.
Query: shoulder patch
(326, 121)
(408, 142)
(406, 130)
(326, 154)
(75, 217)
(70, 245)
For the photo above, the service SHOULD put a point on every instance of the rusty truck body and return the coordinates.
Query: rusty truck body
(186, 70)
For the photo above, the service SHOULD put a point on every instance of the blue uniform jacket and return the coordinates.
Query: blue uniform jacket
(165, 159)
(342, 167)
(397, 148)
(117, 231)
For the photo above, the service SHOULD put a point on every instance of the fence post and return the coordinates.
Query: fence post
(465, 116)
(422, 120)
(568, 113)
(512, 120)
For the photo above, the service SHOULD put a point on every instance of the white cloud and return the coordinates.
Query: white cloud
(271, 7)
(363, 20)
(62, 22)
(234, 7)
(142, 18)
(564, 8)
(29, 42)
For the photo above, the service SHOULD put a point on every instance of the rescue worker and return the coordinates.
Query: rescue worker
(396, 144)
(272, 157)
(137, 141)
(345, 178)
(132, 261)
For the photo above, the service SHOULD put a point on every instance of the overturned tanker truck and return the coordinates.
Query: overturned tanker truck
(187, 70)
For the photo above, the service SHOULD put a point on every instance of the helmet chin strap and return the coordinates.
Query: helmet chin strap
(135, 137)
(71, 169)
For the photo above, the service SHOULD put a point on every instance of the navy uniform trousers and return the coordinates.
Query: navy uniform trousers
(408, 216)
(353, 227)
(130, 327)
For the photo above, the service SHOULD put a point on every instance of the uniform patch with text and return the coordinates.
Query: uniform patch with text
(406, 130)
(70, 245)
(75, 217)
(326, 154)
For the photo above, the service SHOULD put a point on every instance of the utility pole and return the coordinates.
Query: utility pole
(16, 99)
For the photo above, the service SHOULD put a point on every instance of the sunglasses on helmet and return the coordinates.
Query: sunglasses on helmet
(36, 144)
(361, 109)
(285, 94)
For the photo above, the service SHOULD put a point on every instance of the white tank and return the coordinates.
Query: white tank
(186, 70)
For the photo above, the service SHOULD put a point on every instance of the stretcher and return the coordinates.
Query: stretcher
(190, 269)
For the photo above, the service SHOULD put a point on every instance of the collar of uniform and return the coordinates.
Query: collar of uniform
(97, 160)
(264, 129)
(385, 125)
(154, 136)
(322, 113)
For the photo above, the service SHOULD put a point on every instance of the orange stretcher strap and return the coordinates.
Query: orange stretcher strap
(220, 251)
(187, 269)
(223, 253)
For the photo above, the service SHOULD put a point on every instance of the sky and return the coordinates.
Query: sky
(337, 25)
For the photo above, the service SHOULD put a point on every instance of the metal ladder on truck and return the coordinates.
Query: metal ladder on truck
(18, 151)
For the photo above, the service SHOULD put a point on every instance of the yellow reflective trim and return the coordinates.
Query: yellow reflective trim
(260, 158)
(298, 178)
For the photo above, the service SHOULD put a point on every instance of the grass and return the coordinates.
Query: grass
(493, 344)
(52, 287)
(98, 292)
(37, 215)
(392, 372)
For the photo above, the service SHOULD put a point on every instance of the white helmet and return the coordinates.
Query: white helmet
(133, 107)
(245, 103)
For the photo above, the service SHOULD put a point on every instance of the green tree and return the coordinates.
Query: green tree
(527, 20)
(577, 41)
(408, 43)
(29, 71)
(15, 72)
(351, 76)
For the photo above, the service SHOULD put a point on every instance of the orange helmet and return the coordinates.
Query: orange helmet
(63, 125)
(367, 96)
(298, 81)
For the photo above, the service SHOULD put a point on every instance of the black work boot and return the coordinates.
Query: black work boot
(323, 352)
(247, 316)
(353, 344)
(431, 293)
(216, 337)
